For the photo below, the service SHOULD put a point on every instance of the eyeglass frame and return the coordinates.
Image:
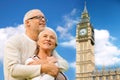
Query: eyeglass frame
(38, 17)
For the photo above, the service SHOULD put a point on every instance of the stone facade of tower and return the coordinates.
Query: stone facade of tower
(85, 64)
(84, 48)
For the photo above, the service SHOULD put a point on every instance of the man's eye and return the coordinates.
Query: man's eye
(45, 36)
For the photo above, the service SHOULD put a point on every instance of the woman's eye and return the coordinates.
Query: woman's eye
(52, 37)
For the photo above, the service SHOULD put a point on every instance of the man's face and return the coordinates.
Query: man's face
(37, 21)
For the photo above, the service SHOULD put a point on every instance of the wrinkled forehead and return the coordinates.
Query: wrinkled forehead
(47, 32)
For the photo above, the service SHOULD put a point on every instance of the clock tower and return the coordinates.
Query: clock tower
(85, 63)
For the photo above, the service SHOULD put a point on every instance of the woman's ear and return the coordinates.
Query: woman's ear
(38, 42)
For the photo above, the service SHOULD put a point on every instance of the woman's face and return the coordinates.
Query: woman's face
(47, 40)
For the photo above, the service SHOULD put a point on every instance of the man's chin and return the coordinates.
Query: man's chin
(41, 28)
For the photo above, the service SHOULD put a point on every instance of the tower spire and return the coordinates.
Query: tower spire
(85, 16)
(85, 8)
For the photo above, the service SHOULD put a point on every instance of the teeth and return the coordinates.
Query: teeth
(47, 43)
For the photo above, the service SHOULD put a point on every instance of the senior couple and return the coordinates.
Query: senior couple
(31, 55)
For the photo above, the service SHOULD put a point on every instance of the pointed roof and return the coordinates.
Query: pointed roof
(85, 16)
(85, 9)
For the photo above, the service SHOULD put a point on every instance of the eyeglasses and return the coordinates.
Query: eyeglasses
(38, 17)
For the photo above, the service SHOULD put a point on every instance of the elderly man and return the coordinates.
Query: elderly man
(20, 47)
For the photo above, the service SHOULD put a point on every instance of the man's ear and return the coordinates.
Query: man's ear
(27, 22)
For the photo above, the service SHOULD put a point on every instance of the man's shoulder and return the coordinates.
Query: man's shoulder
(15, 38)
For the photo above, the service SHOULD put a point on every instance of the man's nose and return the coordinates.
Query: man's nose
(44, 19)
(48, 38)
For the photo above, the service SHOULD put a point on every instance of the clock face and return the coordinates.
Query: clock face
(83, 31)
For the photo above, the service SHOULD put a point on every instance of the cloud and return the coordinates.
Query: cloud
(7, 32)
(72, 65)
(69, 23)
(71, 43)
(106, 53)
(66, 30)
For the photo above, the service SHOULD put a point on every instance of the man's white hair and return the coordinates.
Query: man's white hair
(29, 14)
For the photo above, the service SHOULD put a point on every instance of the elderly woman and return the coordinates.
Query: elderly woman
(47, 42)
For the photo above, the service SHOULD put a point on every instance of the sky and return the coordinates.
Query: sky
(63, 16)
